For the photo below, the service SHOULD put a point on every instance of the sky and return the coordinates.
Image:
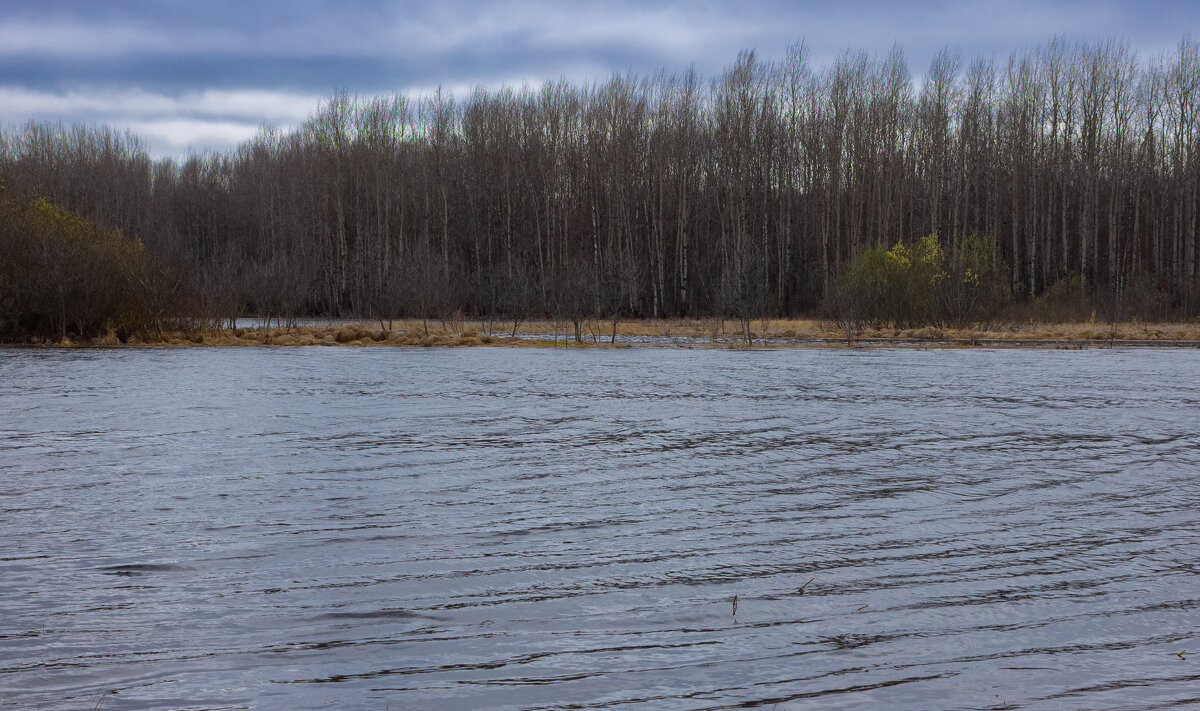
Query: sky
(191, 76)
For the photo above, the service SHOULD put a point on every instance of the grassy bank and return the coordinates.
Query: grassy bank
(699, 332)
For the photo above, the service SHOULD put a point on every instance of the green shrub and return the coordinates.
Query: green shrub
(975, 287)
(61, 274)
(907, 286)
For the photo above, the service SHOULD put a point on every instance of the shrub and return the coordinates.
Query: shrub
(60, 274)
(975, 286)
(907, 286)
(1066, 300)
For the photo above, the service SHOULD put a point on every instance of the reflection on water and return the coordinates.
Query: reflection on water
(538, 529)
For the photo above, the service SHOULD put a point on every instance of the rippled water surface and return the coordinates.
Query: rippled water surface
(314, 528)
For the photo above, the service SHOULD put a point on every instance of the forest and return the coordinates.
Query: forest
(976, 189)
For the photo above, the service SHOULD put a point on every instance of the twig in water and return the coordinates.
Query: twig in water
(735, 605)
(99, 701)
(1180, 654)
(800, 590)
(863, 608)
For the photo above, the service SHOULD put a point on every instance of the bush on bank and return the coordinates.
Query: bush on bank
(64, 276)
(922, 283)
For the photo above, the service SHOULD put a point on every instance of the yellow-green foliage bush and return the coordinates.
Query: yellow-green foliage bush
(975, 287)
(918, 284)
(61, 274)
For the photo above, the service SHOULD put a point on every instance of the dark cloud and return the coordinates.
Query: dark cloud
(311, 48)
(376, 45)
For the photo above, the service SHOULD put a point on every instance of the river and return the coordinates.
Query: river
(491, 528)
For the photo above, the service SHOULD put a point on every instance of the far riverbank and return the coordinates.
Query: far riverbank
(648, 332)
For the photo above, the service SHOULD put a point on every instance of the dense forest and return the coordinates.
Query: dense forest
(771, 189)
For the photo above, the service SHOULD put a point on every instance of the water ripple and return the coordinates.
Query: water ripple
(538, 529)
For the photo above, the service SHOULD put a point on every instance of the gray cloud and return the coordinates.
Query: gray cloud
(60, 56)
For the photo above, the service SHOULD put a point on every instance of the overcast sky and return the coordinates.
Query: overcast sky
(205, 74)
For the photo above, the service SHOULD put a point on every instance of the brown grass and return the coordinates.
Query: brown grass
(692, 331)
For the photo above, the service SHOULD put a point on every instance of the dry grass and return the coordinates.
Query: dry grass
(697, 331)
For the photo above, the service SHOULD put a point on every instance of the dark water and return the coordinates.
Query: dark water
(547, 529)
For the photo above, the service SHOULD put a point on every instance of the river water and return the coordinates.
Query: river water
(393, 528)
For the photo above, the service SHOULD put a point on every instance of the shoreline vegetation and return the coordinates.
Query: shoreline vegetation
(718, 333)
(1061, 186)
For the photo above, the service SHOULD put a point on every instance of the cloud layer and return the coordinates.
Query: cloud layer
(205, 75)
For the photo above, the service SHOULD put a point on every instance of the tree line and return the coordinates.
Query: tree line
(669, 195)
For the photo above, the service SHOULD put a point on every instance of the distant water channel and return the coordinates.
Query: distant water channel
(489, 528)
